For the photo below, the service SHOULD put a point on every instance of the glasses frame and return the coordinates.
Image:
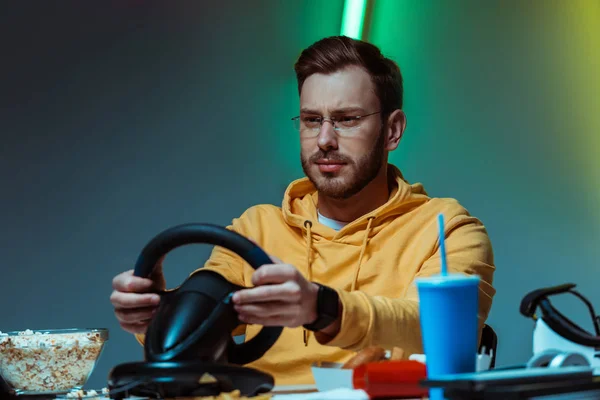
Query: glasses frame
(333, 121)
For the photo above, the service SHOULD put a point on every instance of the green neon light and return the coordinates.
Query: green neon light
(353, 18)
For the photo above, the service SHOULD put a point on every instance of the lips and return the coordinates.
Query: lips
(329, 165)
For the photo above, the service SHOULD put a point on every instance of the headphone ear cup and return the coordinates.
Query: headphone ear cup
(542, 359)
(569, 360)
(557, 359)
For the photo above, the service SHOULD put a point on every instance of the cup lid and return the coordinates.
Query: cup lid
(452, 278)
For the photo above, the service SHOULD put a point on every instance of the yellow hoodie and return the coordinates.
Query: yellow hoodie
(372, 263)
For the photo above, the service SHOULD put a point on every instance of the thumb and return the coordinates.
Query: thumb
(275, 260)
(158, 267)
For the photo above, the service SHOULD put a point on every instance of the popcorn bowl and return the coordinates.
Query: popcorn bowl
(49, 361)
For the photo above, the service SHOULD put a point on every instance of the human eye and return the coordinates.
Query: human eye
(348, 121)
(311, 121)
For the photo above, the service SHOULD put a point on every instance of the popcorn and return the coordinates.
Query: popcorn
(43, 362)
(90, 394)
(75, 394)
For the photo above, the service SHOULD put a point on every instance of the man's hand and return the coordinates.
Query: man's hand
(281, 297)
(133, 300)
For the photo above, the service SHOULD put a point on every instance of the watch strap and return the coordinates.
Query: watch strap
(327, 308)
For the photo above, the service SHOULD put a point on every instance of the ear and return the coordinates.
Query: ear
(396, 124)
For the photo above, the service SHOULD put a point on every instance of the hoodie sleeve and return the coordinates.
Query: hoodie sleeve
(388, 322)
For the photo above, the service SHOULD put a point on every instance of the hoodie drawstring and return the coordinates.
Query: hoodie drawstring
(362, 253)
(308, 226)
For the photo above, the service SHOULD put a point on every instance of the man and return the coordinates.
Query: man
(353, 225)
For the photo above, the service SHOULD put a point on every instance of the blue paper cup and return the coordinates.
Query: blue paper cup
(448, 307)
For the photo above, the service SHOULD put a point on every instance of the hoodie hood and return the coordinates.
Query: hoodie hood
(300, 209)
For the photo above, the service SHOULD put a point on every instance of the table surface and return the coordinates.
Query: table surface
(281, 391)
(278, 392)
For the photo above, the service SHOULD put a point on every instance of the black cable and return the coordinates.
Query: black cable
(595, 318)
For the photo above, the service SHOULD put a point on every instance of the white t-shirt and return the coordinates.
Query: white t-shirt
(332, 223)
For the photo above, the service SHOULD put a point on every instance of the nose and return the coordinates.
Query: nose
(327, 139)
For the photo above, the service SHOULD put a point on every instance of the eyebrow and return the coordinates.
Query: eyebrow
(335, 111)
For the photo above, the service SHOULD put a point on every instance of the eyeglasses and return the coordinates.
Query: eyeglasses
(309, 125)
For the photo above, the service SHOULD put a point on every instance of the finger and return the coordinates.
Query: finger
(135, 315)
(134, 300)
(126, 282)
(287, 292)
(269, 309)
(135, 328)
(274, 273)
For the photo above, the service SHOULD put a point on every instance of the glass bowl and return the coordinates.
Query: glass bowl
(49, 361)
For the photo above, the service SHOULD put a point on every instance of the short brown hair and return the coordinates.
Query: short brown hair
(334, 53)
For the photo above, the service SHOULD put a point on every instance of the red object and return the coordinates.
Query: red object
(399, 379)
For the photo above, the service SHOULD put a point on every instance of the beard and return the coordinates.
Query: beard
(353, 178)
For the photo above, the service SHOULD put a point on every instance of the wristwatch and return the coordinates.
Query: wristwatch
(327, 308)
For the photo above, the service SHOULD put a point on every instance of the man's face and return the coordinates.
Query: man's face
(341, 163)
